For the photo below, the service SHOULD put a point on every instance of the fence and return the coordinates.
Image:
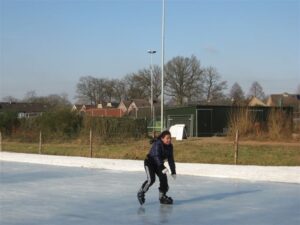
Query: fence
(37, 134)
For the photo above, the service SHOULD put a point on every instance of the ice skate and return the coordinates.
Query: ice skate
(141, 197)
(164, 199)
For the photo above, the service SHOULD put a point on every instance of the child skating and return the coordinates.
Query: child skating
(161, 150)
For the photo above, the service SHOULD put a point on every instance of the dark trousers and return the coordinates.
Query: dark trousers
(151, 170)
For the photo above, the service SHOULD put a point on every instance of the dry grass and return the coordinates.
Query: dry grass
(279, 125)
(243, 121)
(194, 150)
(277, 128)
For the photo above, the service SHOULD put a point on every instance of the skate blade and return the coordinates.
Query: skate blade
(141, 201)
(167, 203)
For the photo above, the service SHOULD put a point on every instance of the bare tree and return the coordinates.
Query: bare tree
(30, 96)
(256, 90)
(86, 90)
(9, 99)
(236, 94)
(135, 85)
(156, 82)
(213, 87)
(139, 84)
(101, 87)
(109, 89)
(57, 101)
(120, 91)
(182, 79)
(54, 101)
(92, 90)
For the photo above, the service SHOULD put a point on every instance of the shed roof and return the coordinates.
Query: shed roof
(23, 107)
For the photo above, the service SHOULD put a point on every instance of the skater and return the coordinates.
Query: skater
(161, 150)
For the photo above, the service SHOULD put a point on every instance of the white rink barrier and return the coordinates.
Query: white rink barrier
(252, 173)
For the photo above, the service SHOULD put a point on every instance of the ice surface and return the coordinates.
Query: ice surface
(32, 194)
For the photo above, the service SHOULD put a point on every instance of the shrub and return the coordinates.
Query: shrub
(279, 125)
(243, 120)
(114, 129)
(63, 125)
(56, 125)
(9, 122)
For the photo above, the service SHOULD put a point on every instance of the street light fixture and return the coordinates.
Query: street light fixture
(151, 52)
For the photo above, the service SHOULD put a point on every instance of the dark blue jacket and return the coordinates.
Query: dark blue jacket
(160, 152)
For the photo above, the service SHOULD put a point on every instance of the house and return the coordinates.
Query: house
(81, 107)
(124, 105)
(254, 101)
(103, 109)
(104, 112)
(107, 105)
(139, 108)
(285, 99)
(24, 110)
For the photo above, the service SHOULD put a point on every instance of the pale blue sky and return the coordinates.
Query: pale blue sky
(47, 45)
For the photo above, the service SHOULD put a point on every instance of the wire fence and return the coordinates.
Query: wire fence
(67, 129)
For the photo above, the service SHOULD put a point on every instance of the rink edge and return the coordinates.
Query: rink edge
(252, 173)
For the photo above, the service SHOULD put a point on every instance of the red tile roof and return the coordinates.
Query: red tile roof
(106, 112)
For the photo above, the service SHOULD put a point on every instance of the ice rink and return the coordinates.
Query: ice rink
(33, 194)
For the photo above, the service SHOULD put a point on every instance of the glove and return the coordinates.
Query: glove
(165, 171)
(174, 176)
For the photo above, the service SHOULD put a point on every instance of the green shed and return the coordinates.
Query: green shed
(209, 120)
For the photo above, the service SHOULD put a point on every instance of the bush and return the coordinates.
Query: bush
(57, 125)
(9, 122)
(64, 125)
(114, 129)
(279, 125)
(242, 120)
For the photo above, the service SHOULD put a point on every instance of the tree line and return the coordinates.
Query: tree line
(186, 81)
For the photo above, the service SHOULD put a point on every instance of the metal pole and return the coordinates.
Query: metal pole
(91, 143)
(236, 147)
(0, 141)
(151, 52)
(152, 93)
(40, 143)
(162, 65)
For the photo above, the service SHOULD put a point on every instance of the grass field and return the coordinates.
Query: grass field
(194, 150)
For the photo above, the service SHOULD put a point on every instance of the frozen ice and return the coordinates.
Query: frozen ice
(33, 194)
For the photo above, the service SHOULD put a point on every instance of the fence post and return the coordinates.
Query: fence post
(236, 147)
(40, 143)
(91, 143)
(0, 141)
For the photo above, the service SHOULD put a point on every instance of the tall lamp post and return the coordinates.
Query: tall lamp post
(162, 65)
(151, 52)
